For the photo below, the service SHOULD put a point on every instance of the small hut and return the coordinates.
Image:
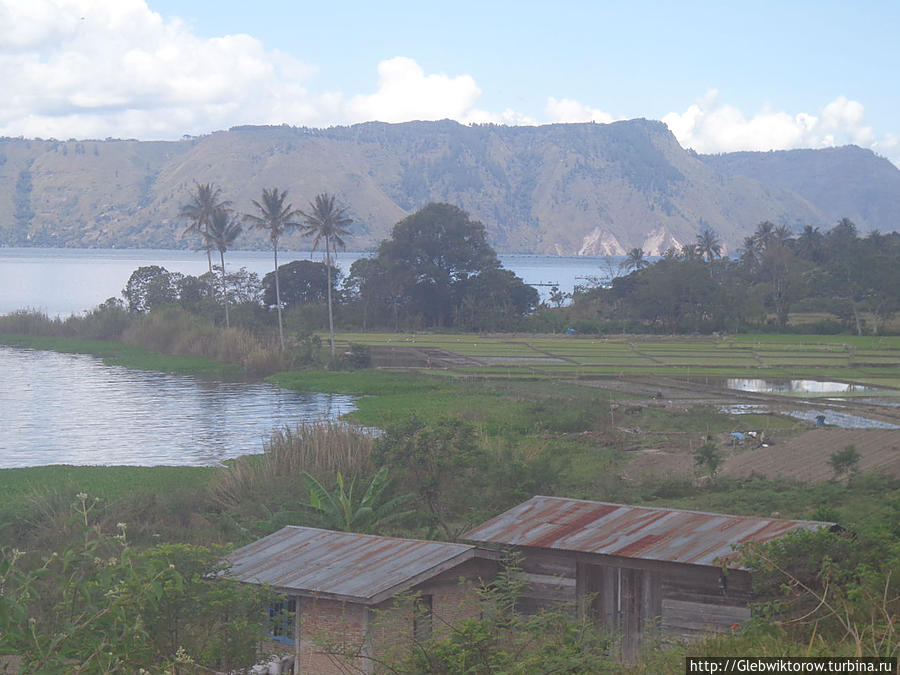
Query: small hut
(339, 591)
(635, 568)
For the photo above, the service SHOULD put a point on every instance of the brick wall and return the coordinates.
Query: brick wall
(342, 637)
(329, 632)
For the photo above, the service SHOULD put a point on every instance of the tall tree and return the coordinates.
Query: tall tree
(809, 244)
(425, 265)
(708, 245)
(221, 234)
(204, 202)
(764, 235)
(329, 222)
(634, 260)
(276, 218)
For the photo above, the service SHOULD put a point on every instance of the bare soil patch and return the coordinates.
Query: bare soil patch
(805, 457)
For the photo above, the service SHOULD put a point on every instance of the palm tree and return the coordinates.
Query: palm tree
(809, 243)
(277, 219)
(634, 260)
(327, 221)
(708, 245)
(200, 209)
(763, 236)
(750, 255)
(689, 252)
(220, 234)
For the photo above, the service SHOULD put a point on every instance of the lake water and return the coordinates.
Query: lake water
(61, 282)
(74, 409)
(61, 408)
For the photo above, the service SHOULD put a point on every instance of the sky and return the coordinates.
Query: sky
(723, 75)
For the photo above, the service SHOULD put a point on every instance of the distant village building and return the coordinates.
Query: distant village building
(635, 569)
(340, 590)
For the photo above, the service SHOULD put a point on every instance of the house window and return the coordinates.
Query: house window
(281, 620)
(422, 618)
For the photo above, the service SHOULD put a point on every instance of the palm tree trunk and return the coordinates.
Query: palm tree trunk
(278, 299)
(330, 316)
(224, 293)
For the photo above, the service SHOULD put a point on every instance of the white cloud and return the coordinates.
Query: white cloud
(115, 68)
(710, 126)
(98, 68)
(567, 110)
(405, 93)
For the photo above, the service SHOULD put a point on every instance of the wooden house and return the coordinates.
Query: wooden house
(340, 592)
(635, 569)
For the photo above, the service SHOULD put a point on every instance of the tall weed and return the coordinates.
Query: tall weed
(321, 449)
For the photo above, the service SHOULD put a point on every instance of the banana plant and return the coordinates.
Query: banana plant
(342, 508)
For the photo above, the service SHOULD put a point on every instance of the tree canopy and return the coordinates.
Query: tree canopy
(857, 280)
(424, 273)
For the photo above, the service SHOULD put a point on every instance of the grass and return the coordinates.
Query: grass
(772, 356)
(33, 496)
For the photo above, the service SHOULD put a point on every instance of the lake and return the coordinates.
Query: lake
(61, 282)
(74, 409)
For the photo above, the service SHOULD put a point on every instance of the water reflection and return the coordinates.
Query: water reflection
(832, 417)
(74, 409)
(792, 386)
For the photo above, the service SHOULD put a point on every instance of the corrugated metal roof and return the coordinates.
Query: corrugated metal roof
(357, 567)
(642, 532)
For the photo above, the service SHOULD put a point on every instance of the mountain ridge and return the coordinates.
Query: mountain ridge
(562, 188)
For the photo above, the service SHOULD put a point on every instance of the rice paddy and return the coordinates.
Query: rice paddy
(868, 360)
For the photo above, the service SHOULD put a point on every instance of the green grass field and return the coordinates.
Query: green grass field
(866, 359)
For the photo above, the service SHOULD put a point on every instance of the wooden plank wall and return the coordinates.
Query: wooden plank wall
(685, 601)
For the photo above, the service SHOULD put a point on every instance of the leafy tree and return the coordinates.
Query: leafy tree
(329, 222)
(276, 218)
(780, 269)
(830, 586)
(844, 462)
(204, 202)
(438, 269)
(151, 286)
(101, 606)
(303, 282)
(346, 510)
(557, 297)
(243, 287)
(379, 293)
(495, 299)
(441, 462)
(428, 259)
(708, 458)
(220, 233)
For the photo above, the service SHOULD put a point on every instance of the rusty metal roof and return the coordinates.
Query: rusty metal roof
(646, 533)
(356, 567)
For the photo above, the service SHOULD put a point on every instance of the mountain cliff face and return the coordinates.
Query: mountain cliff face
(842, 182)
(566, 188)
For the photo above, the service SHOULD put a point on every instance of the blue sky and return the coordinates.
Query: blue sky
(723, 75)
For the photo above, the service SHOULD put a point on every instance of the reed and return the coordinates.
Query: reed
(322, 449)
